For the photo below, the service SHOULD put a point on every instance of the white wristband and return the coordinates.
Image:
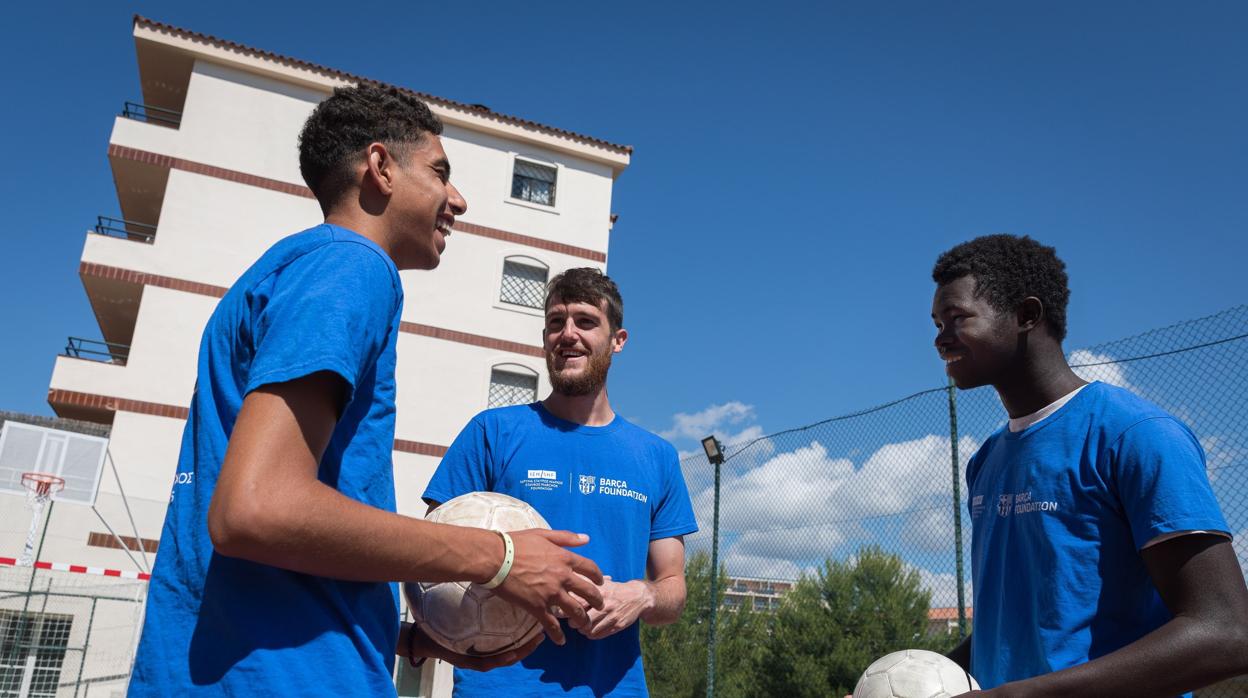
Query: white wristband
(509, 556)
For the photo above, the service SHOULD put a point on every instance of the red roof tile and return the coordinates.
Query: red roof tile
(948, 613)
(449, 103)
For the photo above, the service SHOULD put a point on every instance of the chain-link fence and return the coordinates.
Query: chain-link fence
(66, 633)
(880, 484)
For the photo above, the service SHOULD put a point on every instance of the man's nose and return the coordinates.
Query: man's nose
(459, 206)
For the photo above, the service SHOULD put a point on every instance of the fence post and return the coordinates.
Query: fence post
(957, 505)
(711, 647)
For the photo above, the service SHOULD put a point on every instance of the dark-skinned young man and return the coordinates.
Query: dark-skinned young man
(1101, 563)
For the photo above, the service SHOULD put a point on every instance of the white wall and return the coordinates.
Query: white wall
(244, 122)
(442, 385)
(161, 365)
(482, 167)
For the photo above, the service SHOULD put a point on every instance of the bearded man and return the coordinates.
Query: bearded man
(584, 468)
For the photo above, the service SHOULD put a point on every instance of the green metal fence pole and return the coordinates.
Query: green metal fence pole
(711, 646)
(957, 505)
(86, 644)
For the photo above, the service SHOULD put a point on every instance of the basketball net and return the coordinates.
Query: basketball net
(39, 491)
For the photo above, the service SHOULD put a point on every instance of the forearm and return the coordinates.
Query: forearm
(668, 596)
(1182, 655)
(311, 528)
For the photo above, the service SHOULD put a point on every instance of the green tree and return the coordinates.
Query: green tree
(832, 625)
(675, 655)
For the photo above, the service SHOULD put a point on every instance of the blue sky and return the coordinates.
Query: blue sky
(797, 168)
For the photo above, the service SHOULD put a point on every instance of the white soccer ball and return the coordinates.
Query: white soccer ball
(914, 674)
(462, 616)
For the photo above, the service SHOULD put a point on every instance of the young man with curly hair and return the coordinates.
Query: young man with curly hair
(278, 554)
(583, 466)
(1102, 565)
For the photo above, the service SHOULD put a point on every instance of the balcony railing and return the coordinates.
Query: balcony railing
(96, 350)
(152, 115)
(128, 230)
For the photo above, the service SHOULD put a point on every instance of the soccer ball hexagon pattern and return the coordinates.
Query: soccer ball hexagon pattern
(914, 674)
(461, 616)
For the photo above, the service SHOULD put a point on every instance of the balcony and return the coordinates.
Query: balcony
(125, 230)
(152, 114)
(96, 350)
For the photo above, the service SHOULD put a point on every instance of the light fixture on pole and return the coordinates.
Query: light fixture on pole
(714, 454)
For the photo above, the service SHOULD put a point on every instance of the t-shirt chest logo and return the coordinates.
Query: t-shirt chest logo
(587, 484)
(1004, 504)
(540, 480)
(1023, 503)
(610, 487)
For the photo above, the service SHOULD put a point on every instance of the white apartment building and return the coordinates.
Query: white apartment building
(207, 177)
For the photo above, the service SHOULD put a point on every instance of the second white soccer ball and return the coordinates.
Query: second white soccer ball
(464, 617)
(914, 674)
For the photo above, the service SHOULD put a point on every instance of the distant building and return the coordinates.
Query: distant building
(764, 593)
(944, 620)
(207, 177)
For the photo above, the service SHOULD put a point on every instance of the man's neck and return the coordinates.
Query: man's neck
(1037, 383)
(364, 225)
(593, 410)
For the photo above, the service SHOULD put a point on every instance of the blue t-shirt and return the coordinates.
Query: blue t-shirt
(325, 299)
(618, 483)
(1059, 512)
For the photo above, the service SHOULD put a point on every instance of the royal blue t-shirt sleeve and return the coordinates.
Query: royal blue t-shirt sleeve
(1159, 468)
(673, 514)
(464, 468)
(330, 309)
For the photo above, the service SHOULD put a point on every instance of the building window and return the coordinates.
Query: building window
(533, 182)
(512, 385)
(523, 284)
(33, 649)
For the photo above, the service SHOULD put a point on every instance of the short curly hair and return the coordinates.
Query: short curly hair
(342, 126)
(1007, 269)
(588, 285)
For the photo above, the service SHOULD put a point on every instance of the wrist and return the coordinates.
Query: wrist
(417, 653)
(492, 552)
(504, 569)
(649, 597)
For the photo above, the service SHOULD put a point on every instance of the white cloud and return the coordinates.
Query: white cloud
(742, 565)
(944, 587)
(1114, 374)
(1220, 454)
(930, 530)
(731, 422)
(805, 505)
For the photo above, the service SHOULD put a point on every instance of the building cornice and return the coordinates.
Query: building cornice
(475, 117)
(159, 160)
(58, 396)
(141, 277)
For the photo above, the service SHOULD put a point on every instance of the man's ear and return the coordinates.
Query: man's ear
(379, 167)
(618, 340)
(1030, 314)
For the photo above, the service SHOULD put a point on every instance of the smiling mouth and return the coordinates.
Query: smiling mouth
(444, 227)
(568, 355)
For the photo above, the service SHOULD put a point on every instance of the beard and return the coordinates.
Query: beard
(589, 381)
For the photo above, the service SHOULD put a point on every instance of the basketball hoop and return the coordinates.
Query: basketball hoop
(40, 487)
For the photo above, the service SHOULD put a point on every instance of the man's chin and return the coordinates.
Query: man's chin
(574, 386)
